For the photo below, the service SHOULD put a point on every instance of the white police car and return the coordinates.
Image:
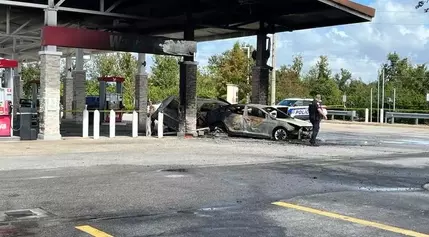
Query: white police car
(297, 107)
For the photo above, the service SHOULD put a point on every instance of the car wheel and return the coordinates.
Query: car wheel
(218, 128)
(280, 134)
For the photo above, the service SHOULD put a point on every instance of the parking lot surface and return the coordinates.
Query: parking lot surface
(361, 181)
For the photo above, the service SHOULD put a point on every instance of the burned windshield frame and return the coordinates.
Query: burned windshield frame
(271, 109)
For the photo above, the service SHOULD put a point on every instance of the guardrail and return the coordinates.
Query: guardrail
(416, 116)
(344, 113)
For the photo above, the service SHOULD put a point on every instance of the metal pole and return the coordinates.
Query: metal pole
(248, 74)
(394, 99)
(273, 74)
(382, 97)
(370, 108)
(378, 96)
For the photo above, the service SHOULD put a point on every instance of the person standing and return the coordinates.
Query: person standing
(316, 114)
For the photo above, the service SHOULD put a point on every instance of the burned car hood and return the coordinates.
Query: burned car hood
(297, 122)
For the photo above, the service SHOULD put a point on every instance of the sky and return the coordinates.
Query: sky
(360, 48)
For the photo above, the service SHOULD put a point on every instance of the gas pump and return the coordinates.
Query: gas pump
(110, 101)
(6, 96)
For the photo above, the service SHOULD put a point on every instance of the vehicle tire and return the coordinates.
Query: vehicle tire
(218, 128)
(280, 134)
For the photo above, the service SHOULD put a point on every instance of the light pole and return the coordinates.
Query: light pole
(273, 73)
(378, 97)
(248, 72)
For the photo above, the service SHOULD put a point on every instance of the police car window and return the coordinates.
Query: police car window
(287, 102)
(306, 102)
(298, 103)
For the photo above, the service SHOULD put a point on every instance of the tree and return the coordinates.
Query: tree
(164, 80)
(342, 79)
(410, 82)
(288, 80)
(29, 72)
(232, 66)
(421, 4)
(206, 84)
(319, 81)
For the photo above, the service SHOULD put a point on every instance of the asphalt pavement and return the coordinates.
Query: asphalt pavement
(361, 181)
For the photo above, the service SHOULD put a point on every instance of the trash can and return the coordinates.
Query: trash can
(28, 125)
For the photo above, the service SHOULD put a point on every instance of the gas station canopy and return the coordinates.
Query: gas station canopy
(213, 19)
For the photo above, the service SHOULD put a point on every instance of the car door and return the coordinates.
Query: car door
(300, 111)
(257, 123)
(234, 119)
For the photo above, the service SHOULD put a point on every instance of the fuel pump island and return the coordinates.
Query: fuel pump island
(112, 100)
(6, 96)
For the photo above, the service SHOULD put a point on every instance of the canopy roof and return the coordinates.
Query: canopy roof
(214, 19)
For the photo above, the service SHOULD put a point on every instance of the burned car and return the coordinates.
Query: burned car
(170, 108)
(259, 121)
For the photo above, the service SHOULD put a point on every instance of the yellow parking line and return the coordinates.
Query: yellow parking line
(351, 219)
(92, 231)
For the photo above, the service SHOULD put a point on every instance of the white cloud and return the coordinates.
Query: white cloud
(361, 48)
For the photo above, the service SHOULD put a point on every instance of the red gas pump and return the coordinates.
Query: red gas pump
(6, 96)
(110, 101)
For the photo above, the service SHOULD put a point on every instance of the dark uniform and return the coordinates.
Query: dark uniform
(315, 118)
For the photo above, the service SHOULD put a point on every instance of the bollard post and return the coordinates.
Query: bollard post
(160, 124)
(381, 116)
(417, 121)
(148, 127)
(85, 123)
(135, 124)
(366, 115)
(112, 122)
(96, 124)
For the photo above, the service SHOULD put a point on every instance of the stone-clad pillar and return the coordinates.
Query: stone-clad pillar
(79, 88)
(141, 92)
(68, 90)
(50, 84)
(50, 95)
(188, 97)
(188, 84)
(260, 72)
(260, 82)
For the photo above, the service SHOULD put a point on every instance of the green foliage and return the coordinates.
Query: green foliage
(206, 84)
(289, 82)
(232, 67)
(320, 81)
(164, 80)
(29, 72)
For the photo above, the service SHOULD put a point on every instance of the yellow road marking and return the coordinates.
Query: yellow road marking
(92, 231)
(351, 219)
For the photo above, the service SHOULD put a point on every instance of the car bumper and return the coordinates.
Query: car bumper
(304, 133)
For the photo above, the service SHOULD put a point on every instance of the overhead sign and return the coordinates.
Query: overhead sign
(7, 63)
(103, 40)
